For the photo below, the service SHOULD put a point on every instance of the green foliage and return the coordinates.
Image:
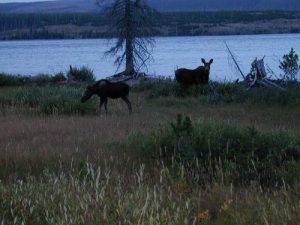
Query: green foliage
(11, 80)
(81, 74)
(101, 197)
(216, 92)
(242, 154)
(290, 66)
(59, 77)
(49, 100)
(182, 130)
(183, 126)
(163, 87)
(40, 79)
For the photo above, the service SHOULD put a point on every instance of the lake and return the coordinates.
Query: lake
(52, 56)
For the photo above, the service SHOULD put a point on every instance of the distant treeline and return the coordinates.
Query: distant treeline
(45, 26)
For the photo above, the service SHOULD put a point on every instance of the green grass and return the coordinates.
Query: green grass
(241, 154)
(215, 93)
(11, 80)
(48, 100)
(106, 196)
(77, 74)
(59, 167)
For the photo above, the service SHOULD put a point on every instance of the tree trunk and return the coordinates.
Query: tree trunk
(129, 39)
(129, 58)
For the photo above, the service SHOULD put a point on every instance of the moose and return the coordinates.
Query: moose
(106, 89)
(199, 75)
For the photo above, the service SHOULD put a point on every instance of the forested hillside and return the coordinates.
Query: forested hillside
(70, 6)
(94, 25)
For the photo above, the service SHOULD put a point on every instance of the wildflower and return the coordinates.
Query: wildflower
(204, 215)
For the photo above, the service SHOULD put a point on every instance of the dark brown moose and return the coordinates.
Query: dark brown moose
(199, 75)
(106, 89)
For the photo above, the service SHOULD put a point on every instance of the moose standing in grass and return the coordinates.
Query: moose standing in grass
(199, 75)
(106, 89)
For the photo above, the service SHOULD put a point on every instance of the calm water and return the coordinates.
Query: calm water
(44, 56)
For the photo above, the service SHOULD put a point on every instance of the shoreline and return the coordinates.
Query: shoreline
(158, 36)
(173, 24)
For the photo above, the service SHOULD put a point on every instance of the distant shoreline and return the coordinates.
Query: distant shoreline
(157, 36)
(95, 26)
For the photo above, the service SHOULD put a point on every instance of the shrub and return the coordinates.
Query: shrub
(11, 80)
(59, 77)
(49, 100)
(82, 74)
(40, 79)
(163, 87)
(216, 92)
(290, 66)
(242, 154)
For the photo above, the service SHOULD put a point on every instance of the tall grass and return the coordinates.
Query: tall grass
(217, 92)
(48, 100)
(102, 195)
(142, 169)
(81, 74)
(241, 154)
(11, 80)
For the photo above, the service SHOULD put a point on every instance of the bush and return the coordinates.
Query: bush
(40, 79)
(290, 66)
(59, 77)
(241, 154)
(82, 74)
(49, 100)
(216, 92)
(163, 87)
(11, 80)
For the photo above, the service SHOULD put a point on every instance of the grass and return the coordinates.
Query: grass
(215, 93)
(234, 160)
(47, 100)
(75, 75)
(104, 196)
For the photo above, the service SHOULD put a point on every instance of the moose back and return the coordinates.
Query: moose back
(106, 89)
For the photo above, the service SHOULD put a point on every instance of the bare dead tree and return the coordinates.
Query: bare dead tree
(132, 22)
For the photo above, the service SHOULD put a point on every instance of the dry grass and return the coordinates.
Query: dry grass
(44, 139)
(119, 187)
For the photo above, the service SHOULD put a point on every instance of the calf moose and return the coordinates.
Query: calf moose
(106, 89)
(199, 75)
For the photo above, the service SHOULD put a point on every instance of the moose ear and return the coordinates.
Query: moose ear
(211, 61)
(203, 60)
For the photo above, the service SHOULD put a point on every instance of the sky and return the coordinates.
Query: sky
(9, 1)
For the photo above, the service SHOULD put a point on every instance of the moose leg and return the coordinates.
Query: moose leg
(125, 99)
(105, 105)
(101, 103)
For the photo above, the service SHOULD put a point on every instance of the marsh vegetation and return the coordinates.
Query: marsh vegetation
(192, 157)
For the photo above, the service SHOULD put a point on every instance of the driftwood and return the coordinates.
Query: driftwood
(235, 61)
(131, 80)
(257, 75)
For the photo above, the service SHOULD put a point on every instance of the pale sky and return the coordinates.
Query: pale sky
(10, 1)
